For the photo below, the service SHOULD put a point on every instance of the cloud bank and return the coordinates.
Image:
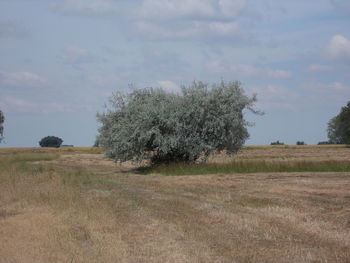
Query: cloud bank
(191, 20)
(86, 7)
(21, 79)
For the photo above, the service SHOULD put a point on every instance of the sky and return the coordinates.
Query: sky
(60, 61)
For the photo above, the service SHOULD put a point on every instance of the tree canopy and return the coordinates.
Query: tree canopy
(170, 127)
(2, 120)
(50, 141)
(339, 127)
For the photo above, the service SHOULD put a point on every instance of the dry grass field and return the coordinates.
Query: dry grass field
(73, 205)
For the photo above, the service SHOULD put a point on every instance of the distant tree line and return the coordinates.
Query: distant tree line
(277, 143)
(324, 142)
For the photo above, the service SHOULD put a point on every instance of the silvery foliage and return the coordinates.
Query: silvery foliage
(168, 127)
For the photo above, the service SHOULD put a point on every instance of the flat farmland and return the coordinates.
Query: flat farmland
(74, 205)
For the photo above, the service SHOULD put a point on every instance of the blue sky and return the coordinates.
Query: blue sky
(61, 60)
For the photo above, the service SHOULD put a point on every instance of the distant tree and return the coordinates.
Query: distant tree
(300, 143)
(168, 127)
(324, 142)
(339, 127)
(2, 120)
(277, 143)
(97, 142)
(334, 131)
(50, 141)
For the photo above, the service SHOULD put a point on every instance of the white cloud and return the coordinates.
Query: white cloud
(22, 79)
(275, 97)
(276, 92)
(243, 70)
(104, 80)
(230, 8)
(168, 9)
(221, 67)
(169, 86)
(76, 55)
(220, 28)
(325, 94)
(317, 94)
(15, 104)
(192, 30)
(192, 9)
(76, 51)
(339, 48)
(318, 68)
(279, 74)
(211, 20)
(86, 7)
(337, 86)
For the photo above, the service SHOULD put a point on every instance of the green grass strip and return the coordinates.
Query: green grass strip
(247, 167)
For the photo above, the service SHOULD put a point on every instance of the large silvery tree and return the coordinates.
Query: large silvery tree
(168, 127)
(339, 127)
(2, 119)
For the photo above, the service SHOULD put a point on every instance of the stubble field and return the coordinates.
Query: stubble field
(73, 205)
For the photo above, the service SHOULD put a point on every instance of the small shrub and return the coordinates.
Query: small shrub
(300, 143)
